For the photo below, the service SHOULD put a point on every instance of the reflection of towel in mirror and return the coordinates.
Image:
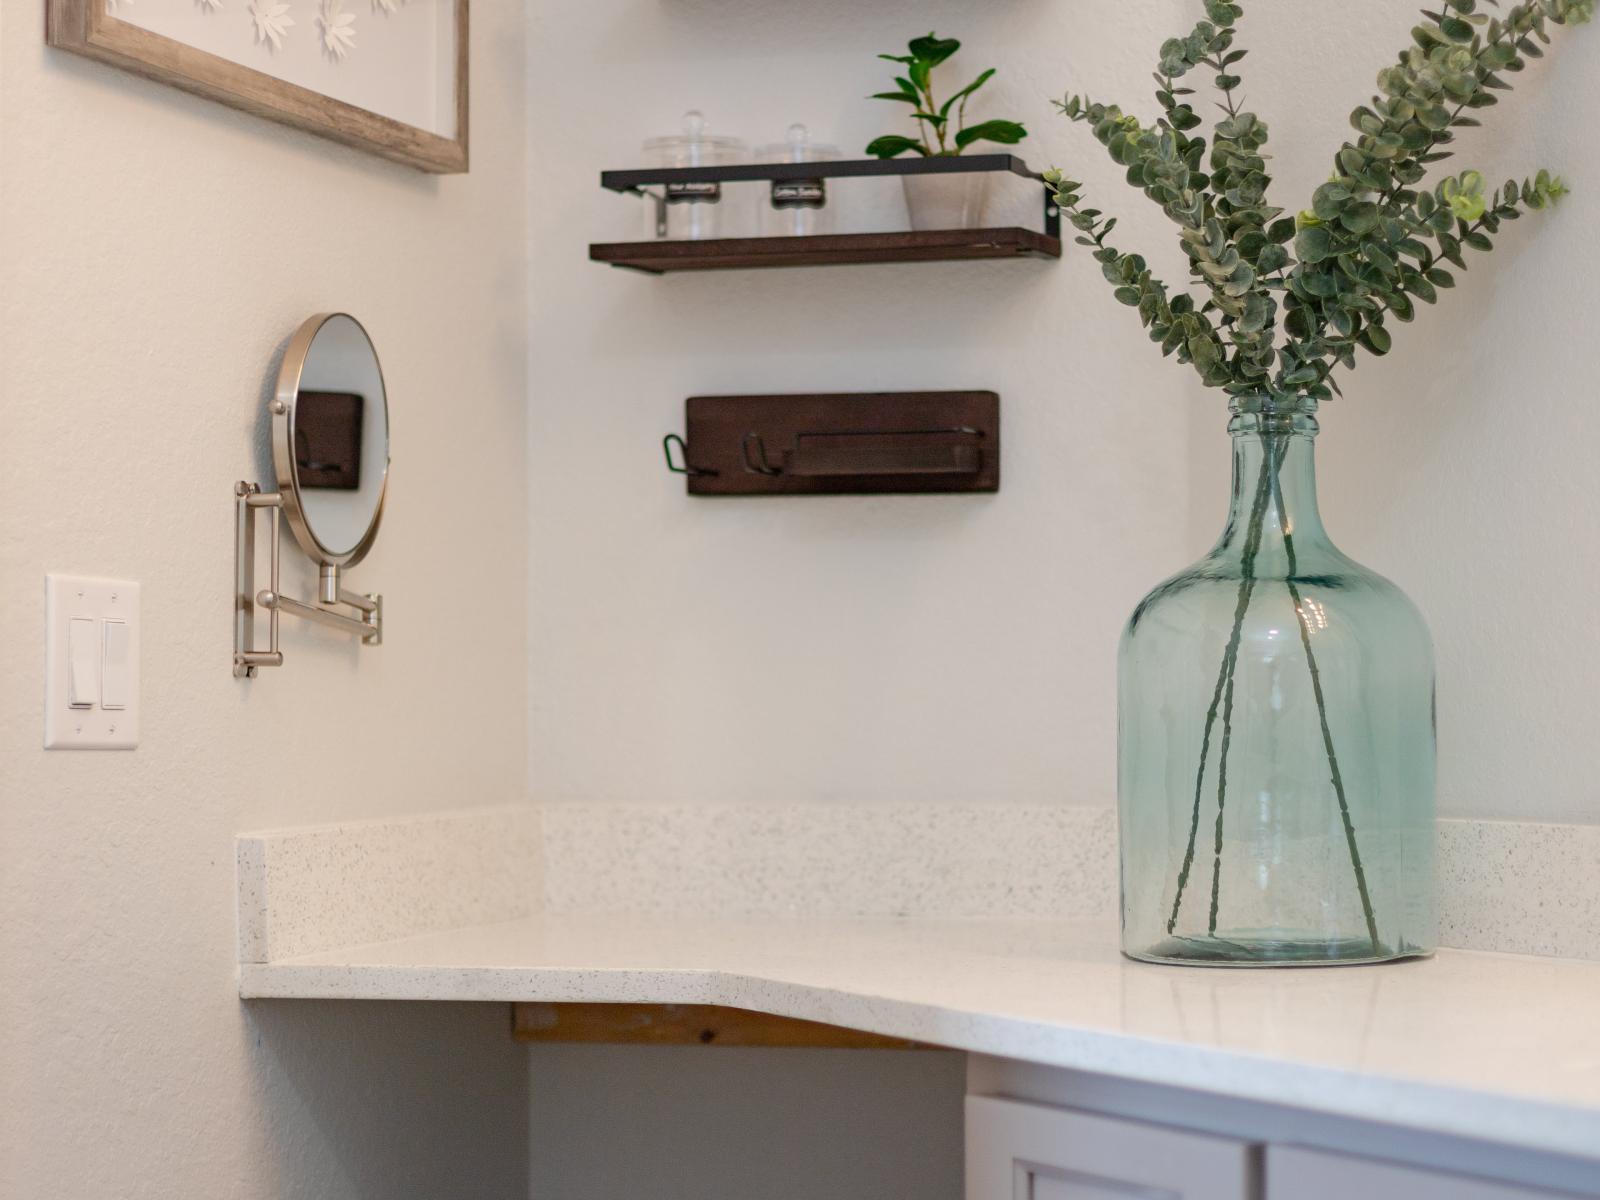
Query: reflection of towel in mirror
(327, 440)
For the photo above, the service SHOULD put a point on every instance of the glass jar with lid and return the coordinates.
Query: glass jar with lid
(692, 210)
(797, 207)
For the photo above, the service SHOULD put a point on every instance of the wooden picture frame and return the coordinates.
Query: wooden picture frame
(85, 27)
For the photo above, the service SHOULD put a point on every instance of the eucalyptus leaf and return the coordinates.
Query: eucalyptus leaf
(1314, 244)
(1360, 218)
(1376, 338)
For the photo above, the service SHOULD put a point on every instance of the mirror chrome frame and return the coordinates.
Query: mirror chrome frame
(334, 603)
(283, 407)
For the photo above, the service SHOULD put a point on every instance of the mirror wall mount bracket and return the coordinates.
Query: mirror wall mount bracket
(330, 459)
(333, 607)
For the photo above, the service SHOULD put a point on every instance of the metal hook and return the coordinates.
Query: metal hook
(683, 454)
(759, 463)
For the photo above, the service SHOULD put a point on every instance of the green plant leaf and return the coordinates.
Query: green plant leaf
(1328, 200)
(1204, 352)
(1272, 258)
(1313, 244)
(944, 109)
(892, 145)
(1360, 219)
(932, 49)
(910, 98)
(1007, 133)
(1466, 206)
(1376, 338)
(1257, 312)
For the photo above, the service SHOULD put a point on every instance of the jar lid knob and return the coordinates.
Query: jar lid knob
(694, 124)
(798, 135)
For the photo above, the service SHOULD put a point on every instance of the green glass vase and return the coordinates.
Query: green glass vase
(1276, 737)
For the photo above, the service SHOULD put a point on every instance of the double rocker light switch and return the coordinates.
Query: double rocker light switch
(92, 664)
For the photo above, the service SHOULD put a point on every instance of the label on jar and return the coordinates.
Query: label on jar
(694, 193)
(799, 193)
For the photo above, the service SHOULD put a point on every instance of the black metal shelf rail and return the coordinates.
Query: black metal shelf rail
(636, 181)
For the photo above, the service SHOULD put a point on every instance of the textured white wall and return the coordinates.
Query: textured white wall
(155, 253)
(928, 649)
(937, 648)
(699, 1123)
(1460, 465)
(855, 649)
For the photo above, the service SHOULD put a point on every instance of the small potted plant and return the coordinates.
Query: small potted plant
(953, 201)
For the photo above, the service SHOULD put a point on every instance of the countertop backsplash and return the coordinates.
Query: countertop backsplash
(1510, 886)
(1504, 886)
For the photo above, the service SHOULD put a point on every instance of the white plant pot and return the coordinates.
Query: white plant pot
(947, 201)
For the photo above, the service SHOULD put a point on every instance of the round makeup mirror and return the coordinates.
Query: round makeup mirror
(330, 439)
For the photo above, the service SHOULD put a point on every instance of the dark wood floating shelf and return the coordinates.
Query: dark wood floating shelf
(725, 254)
(846, 168)
(827, 250)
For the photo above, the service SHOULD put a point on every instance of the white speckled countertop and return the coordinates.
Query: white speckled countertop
(1497, 1047)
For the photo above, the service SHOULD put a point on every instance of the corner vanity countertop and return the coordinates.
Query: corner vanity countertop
(1503, 1048)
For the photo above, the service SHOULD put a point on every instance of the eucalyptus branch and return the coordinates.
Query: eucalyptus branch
(1370, 242)
(1166, 164)
(1451, 64)
(1275, 447)
(1366, 218)
(1173, 323)
(1223, 692)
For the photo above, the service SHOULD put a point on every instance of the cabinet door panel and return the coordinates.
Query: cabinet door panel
(1297, 1174)
(1018, 1151)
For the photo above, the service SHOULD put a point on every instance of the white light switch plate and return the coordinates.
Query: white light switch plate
(80, 719)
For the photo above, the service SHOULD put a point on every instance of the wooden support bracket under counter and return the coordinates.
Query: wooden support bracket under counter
(687, 1025)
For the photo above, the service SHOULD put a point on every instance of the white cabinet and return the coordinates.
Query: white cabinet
(1297, 1174)
(1018, 1151)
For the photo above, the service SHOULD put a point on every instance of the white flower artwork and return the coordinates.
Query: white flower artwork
(386, 76)
(338, 29)
(271, 20)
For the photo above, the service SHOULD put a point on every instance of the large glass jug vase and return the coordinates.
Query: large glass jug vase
(1276, 738)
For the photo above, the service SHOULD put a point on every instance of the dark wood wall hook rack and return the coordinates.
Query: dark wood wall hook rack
(839, 443)
(889, 452)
